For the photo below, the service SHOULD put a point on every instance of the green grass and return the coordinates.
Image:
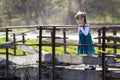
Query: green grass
(59, 50)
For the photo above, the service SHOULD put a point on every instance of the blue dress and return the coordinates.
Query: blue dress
(85, 39)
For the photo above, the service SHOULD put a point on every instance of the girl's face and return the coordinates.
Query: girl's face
(80, 21)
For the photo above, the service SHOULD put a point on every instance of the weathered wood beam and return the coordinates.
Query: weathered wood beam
(6, 45)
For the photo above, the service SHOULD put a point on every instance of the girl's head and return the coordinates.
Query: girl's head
(81, 17)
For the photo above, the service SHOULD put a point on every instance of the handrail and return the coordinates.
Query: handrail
(53, 37)
(66, 26)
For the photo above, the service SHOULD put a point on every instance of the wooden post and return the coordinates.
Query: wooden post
(64, 40)
(103, 38)
(53, 50)
(99, 39)
(23, 39)
(40, 53)
(103, 55)
(103, 67)
(115, 49)
(14, 41)
(7, 56)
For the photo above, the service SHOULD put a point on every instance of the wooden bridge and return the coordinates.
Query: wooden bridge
(102, 43)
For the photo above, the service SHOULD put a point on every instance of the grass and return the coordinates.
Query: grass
(59, 50)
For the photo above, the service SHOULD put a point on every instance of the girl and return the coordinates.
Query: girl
(84, 35)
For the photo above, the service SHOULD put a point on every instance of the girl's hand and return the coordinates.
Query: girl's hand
(80, 25)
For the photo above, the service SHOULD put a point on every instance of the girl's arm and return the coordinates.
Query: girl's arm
(79, 29)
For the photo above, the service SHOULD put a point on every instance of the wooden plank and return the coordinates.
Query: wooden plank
(6, 45)
(114, 56)
(11, 78)
(19, 41)
(116, 65)
(51, 37)
(74, 60)
(109, 38)
(93, 25)
(66, 58)
(27, 49)
(113, 38)
(18, 34)
(2, 30)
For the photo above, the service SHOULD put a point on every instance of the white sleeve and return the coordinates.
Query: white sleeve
(85, 31)
(78, 29)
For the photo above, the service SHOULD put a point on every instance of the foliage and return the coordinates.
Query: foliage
(30, 12)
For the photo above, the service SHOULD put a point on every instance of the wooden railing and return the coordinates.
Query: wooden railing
(101, 39)
(105, 65)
